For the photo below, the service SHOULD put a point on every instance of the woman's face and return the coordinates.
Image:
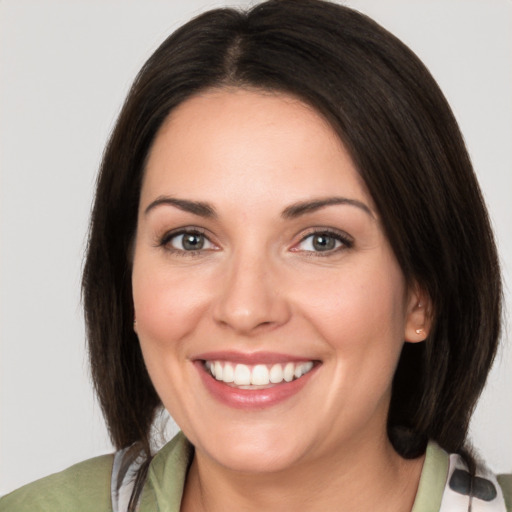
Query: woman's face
(259, 256)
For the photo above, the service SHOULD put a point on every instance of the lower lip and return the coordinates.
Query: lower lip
(251, 398)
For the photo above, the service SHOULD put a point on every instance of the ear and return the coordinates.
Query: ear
(419, 315)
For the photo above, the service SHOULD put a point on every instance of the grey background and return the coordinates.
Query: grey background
(65, 68)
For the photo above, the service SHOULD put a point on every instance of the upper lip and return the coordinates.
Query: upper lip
(250, 358)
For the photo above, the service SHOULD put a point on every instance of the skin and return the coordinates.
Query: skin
(258, 284)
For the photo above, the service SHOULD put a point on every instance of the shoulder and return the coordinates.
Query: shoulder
(82, 487)
(505, 482)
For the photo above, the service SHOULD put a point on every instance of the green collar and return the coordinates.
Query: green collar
(432, 480)
(166, 476)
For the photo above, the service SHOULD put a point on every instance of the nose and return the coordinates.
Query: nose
(251, 299)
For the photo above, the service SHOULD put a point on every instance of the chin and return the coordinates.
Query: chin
(256, 460)
(249, 452)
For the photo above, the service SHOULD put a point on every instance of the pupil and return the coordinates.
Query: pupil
(193, 242)
(323, 242)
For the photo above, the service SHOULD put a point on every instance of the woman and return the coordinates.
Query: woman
(289, 252)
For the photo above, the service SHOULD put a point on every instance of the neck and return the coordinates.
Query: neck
(338, 481)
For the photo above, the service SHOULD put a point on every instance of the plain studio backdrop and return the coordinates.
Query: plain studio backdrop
(65, 69)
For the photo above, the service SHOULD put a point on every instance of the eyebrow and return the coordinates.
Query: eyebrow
(196, 207)
(304, 207)
(204, 209)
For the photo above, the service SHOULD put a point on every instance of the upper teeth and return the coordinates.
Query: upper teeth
(259, 374)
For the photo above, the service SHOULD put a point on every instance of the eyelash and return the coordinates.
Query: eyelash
(345, 241)
(165, 242)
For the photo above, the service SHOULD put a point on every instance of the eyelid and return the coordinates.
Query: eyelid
(164, 240)
(346, 240)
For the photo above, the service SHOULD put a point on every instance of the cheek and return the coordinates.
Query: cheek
(167, 305)
(358, 310)
(360, 317)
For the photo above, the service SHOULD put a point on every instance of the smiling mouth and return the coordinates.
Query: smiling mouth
(258, 376)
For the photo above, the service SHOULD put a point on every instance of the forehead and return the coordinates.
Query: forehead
(251, 144)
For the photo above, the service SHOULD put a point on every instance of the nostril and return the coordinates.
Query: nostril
(248, 302)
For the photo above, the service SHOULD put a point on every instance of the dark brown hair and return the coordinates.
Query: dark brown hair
(403, 138)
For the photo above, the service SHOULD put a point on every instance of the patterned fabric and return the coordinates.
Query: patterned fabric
(124, 472)
(464, 493)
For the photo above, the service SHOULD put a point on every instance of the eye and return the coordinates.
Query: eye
(323, 241)
(187, 241)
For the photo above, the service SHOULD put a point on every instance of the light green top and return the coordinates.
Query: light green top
(85, 487)
(432, 480)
